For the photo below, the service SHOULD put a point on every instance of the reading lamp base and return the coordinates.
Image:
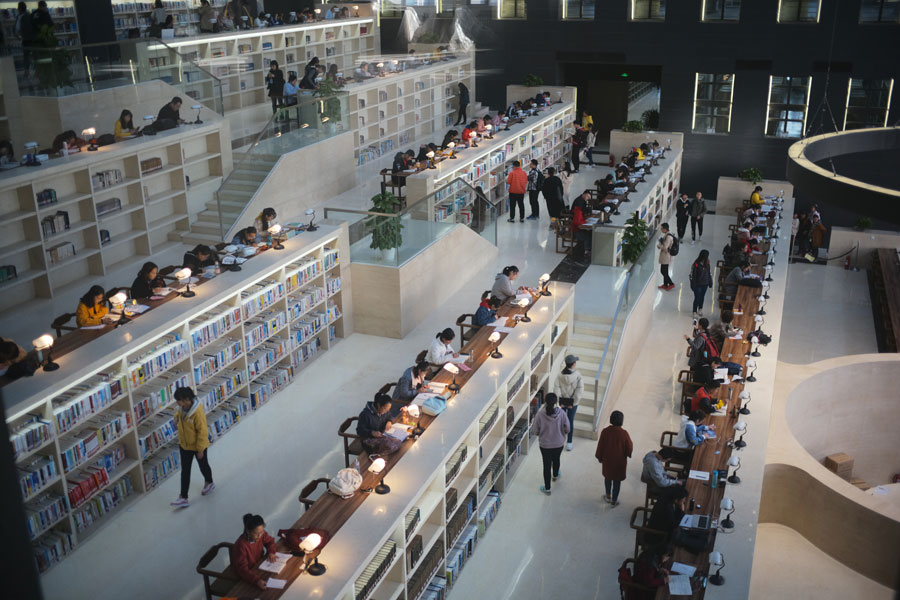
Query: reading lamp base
(453, 387)
(735, 480)
(51, 366)
(751, 379)
(716, 579)
(740, 443)
(496, 354)
(525, 318)
(382, 488)
(188, 294)
(744, 411)
(316, 568)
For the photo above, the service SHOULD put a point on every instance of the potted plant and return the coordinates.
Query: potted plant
(650, 119)
(862, 224)
(633, 126)
(634, 239)
(386, 231)
(532, 80)
(751, 174)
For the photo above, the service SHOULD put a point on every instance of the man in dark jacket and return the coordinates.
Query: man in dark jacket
(553, 195)
(698, 209)
(374, 420)
(41, 17)
(682, 213)
(170, 111)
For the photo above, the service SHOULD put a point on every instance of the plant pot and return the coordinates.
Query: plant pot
(387, 255)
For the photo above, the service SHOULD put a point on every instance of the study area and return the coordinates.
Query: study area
(442, 314)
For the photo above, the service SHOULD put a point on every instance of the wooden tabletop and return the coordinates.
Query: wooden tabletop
(890, 271)
(330, 512)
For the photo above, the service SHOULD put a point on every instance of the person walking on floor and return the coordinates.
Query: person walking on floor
(553, 191)
(578, 142)
(591, 140)
(665, 257)
(816, 235)
(795, 228)
(613, 451)
(701, 280)
(698, 209)
(551, 427)
(570, 386)
(535, 183)
(193, 442)
(463, 104)
(803, 228)
(682, 213)
(517, 183)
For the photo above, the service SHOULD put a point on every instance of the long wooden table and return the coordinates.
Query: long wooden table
(890, 273)
(330, 512)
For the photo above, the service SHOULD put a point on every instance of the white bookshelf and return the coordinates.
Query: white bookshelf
(128, 15)
(491, 419)
(154, 207)
(65, 22)
(204, 342)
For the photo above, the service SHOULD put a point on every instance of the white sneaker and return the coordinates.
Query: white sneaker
(180, 502)
(209, 487)
(569, 446)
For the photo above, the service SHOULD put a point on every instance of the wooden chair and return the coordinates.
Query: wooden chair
(683, 462)
(644, 536)
(166, 272)
(565, 239)
(223, 581)
(352, 443)
(309, 490)
(59, 324)
(435, 369)
(630, 589)
(386, 388)
(688, 386)
(467, 330)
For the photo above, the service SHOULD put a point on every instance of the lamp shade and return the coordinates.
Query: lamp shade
(182, 273)
(715, 559)
(43, 342)
(413, 411)
(488, 126)
(149, 117)
(317, 11)
(31, 145)
(311, 542)
(88, 132)
(732, 462)
(197, 106)
(275, 229)
(310, 211)
(379, 65)
(451, 144)
(377, 466)
(740, 426)
(751, 364)
(727, 504)
(745, 395)
(356, 7)
(494, 337)
(430, 154)
(523, 302)
(758, 318)
(118, 298)
(754, 339)
(544, 277)
(451, 368)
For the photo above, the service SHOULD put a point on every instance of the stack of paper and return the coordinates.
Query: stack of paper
(277, 565)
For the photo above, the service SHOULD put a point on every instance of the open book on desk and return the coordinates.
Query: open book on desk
(277, 565)
(398, 431)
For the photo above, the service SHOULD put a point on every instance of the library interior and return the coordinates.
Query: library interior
(509, 298)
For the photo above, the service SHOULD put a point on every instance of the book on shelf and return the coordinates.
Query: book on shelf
(44, 511)
(170, 350)
(30, 434)
(84, 484)
(36, 474)
(260, 392)
(373, 573)
(149, 403)
(102, 503)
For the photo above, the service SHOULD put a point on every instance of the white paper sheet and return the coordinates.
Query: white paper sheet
(701, 475)
(280, 562)
(93, 327)
(679, 585)
(683, 569)
(503, 329)
(276, 584)
(398, 431)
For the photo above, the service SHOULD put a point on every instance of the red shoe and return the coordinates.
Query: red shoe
(662, 287)
(670, 287)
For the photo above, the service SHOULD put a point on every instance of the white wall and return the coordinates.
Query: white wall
(845, 238)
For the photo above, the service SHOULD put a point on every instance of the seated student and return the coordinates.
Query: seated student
(702, 348)
(171, 111)
(653, 472)
(756, 198)
(68, 141)
(580, 214)
(398, 166)
(487, 310)
(147, 283)
(722, 328)
(703, 398)
(291, 89)
(199, 258)
(503, 287)
(467, 133)
(605, 186)
(92, 308)
(374, 420)
(15, 362)
(692, 432)
(450, 136)
(704, 372)
(124, 128)
(411, 383)
(649, 572)
(666, 515)
(441, 351)
(734, 278)
(264, 220)
(253, 544)
(10, 353)
(245, 237)
(362, 72)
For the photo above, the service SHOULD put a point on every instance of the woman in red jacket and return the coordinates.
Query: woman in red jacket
(580, 214)
(253, 545)
(613, 451)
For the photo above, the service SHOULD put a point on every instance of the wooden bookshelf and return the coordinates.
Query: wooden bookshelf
(114, 396)
(123, 203)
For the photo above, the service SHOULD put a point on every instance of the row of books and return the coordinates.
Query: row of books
(307, 327)
(44, 511)
(436, 589)
(107, 178)
(157, 432)
(261, 296)
(303, 272)
(487, 421)
(163, 396)
(226, 416)
(102, 503)
(414, 550)
(515, 386)
(266, 356)
(459, 554)
(427, 568)
(518, 431)
(264, 326)
(159, 468)
(52, 548)
(221, 387)
(307, 352)
(88, 482)
(332, 332)
(216, 359)
(537, 355)
(101, 431)
(261, 391)
(303, 302)
(214, 325)
(170, 352)
(365, 584)
(332, 312)
(460, 518)
(35, 475)
(411, 521)
(30, 434)
(488, 512)
(60, 252)
(455, 462)
(53, 224)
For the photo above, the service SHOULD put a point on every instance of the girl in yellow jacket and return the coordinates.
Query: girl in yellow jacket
(91, 308)
(193, 441)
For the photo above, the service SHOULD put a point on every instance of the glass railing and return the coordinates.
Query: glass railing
(70, 70)
(393, 239)
(311, 119)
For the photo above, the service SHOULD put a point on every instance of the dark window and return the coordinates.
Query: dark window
(648, 10)
(712, 103)
(798, 11)
(788, 103)
(868, 103)
(721, 10)
(879, 11)
(578, 9)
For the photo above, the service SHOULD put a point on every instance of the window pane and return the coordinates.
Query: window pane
(648, 9)
(722, 10)
(879, 11)
(867, 103)
(712, 103)
(787, 106)
(799, 10)
(512, 9)
(579, 9)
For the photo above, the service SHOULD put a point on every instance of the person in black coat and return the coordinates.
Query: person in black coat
(147, 281)
(553, 194)
(666, 515)
(199, 258)
(373, 421)
(309, 74)
(682, 214)
(171, 111)
(274, 83)
(463, 103)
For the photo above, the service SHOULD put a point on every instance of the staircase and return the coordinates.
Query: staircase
(587, 342)
(234, 194)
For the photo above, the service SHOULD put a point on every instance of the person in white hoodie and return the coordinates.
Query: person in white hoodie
(550, 426)
(441, 351)
(569, 388)
(503, 283)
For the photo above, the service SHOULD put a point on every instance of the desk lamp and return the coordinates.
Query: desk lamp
(524, 302)
(716, 560)
(762, 305)
(771, 255)
(740, 426)
(754, 339)
(454, 370)
(376, 468)
(380, 67)
(751, 364)
(765, 286)
(90, 133)
(734, 461)
(118, 302)
(452, 146)
(311, 213)
(745, 400)
(30, 159)
(758, 320)
(275, 232)
(45, 342)
(506, 123)
(184, 275)
(559, 97)
(310, 543)
(488, 127)
(430, 162)
(545, 282)
(768, 273)
(472, 136)
(356, 8)
(727, 524)
(198, 108)
(245, 20)
(318, 11)
(495, 339)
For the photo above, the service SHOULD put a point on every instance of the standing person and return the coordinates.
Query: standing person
(207, 16)
(157, 19)
(254, 544)
(551, 427)
(553, 190)
(591, 140)
(702, 347)
(613, 451)
(534, 185)
(463, 104)
(24, 29)
(275, 83)
(682, 213)
(701, 280)
(795, 228)
(665, 258)
(587, 121)
(570, 387)
(517, 183)
(193, 442)
(566, 176)
(698, 209)
(578, 141)
(41, 17)
(803, 229)
(816, 235)
(310, 72)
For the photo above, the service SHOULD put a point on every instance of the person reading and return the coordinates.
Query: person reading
(411, 383)
(124, 128)
(487, 310)
(253, 544)
(703, 399)
(147, 283)
(245, 237)
(171, 111)
(199, 258)
(503, 287)
(92, 309)
(374, 420)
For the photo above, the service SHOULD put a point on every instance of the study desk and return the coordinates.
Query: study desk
(358, 528)
(890, 272)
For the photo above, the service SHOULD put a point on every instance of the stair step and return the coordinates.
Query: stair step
(591, 329)
(207, 227)
(583, 429)
(245, 187)
(191, 237)
(593, 319)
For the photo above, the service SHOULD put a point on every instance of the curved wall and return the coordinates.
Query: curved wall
(853, 409)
